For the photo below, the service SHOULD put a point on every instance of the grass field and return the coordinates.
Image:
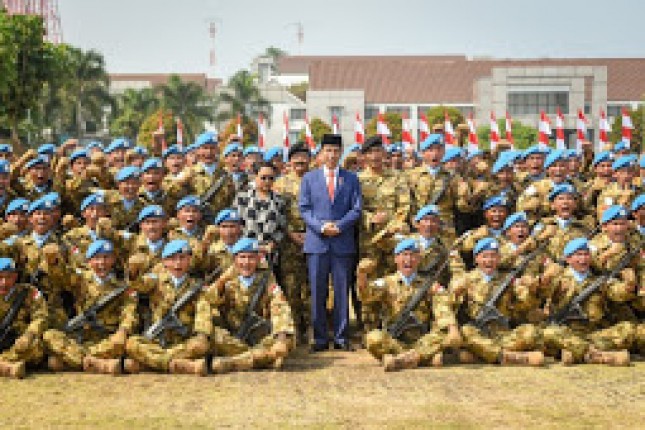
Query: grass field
(334, 390)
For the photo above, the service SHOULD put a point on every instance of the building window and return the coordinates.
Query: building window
(398, 109)
(465, 110)
(371, 112)
(336, 111)
(531, 103)
(614, 111)
(264, 72)
(297, 114)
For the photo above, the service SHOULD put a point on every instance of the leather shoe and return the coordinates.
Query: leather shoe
(318, 348)
(345, 346)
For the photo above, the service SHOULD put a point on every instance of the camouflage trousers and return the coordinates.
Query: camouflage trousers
(33, 353)
(295, 286)
(371, 312)
(71, 352)
(578, 342)
(379, 343)
(639, 338)
(156, 357)
(526, 337)
(224, 344)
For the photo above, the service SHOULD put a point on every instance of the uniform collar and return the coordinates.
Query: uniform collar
(128, 203)
(154, 246)
(578, 276)
(102, 281)
(210, 168)
(246, 281)
(153, 194)
(563, 223)
(433, 170)
(641, 229)
(191, 233)
(426, 242)
(408, 280)
(497, 232)
(40, 239)
(177, 282)
(487, 278)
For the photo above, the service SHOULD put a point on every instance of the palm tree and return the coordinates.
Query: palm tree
(133, 107)
(188, 101)
(243, 97)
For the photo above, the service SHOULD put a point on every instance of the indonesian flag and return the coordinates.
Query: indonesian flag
(162, 132)
(424, 130)
(239, 132)
(509, 130)
(449, 132)
(604, 129)
(544, 130)
(285, 131)
(473, 140)
(627, 127)
(382, 129)
(359, 131)
(262, 132)
(406, 135)
(559, 130)
(180, 133)
(335, 129)
(308, 136)
(581, 126)
(494, 131)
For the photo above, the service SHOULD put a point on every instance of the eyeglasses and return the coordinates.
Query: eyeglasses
(267, 178)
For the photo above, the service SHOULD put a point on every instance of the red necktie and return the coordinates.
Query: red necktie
(330, 185)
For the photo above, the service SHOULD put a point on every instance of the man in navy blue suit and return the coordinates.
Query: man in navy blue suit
(330, 204)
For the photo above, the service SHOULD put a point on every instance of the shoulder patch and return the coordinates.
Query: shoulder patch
(530, 190)
(36, 294)
(275, 289)
(608, 201)
(380, 282)
(132, 293)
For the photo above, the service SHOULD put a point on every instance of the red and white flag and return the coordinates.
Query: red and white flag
(604, 129)
(449, 132)
(494, 131)
(285, 131)
(262, 132)
(406, 134)
(359, 131)
(627, 127)
(544, 131)
(162, 132)
(581, 126)
(239, 131)
(559, 131)
(335, 128)
(473, 140)
(509, 130)
(309, 138)
(180, 133)
(382, 129)
(424, 129)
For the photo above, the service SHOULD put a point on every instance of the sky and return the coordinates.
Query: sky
(164, 36)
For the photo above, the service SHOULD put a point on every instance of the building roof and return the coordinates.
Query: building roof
(449, 79)
(299, 65)
(154, 79)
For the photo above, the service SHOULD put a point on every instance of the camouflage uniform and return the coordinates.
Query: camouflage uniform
(202, 182)
(199, 263)
(430, 251)
(77, 240)
(122, 217)
(614, 194)
(218, 255)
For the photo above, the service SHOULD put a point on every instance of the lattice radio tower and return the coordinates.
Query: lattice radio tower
(47, 9)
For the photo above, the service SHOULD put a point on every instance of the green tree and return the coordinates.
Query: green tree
(436, 115)
(249, 131)
(318, 129)
(242, 96)
(393, 121)
(275, 54)
(132, 107)
(638, 117)
(151, 124)
(523, 135)
(300, 90)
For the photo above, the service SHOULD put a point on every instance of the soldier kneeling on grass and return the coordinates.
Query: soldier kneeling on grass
(24, 316)
(255, 327)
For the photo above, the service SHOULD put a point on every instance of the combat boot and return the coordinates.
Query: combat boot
(405, 360)
(532, 358)
(437, 360)
(611, 358)
(280, 349)
(220, 365)
(55, 364)
(466, 357)
(132, 366)
(105, 366)
(188, 367)
(566, 358)
(12, 370)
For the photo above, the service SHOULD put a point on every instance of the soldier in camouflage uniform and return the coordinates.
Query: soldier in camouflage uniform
(229, 229)
(435, 313)
(622, 191)
(152, 190)
(531, 165)
(231, 295)
(90, 349)
(233, 164)
(6, 193)
(293, 262)
(181, 354)
(16, 217)
(78, 239)
(125, 203)
(637, 237)
(24, 344)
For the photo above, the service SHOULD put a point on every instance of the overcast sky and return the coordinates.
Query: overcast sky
(172, 36)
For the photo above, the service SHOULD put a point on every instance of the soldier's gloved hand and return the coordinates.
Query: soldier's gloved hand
(104, 228)
(480, 187)
(24, 342)
(61, 167)
(550, 272)
(548, 232)
(69, 222)
(197, 345)
(136, 265)
(172, 224)
(7, 230)
(481, 167)
(92, 171)
(453, 338)
(98, 159)
(366, 266)
(227, 276)
(51, 252)
(119, 339)
(280, 348)
(629, 278)
(185, 176)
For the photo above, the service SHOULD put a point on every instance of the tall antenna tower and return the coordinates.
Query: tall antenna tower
(300, 33)
(212, 34)
(46, 9)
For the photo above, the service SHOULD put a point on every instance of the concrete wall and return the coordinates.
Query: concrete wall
(352, 101)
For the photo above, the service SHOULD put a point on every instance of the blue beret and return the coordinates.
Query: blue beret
(433, 139)
(177, 246)
(189, 201)
(92, 200)
(16, 205)
(7, 265)
(140, 150)
(151, 163)
(276, 151)
(642, 164)
(535, 149)
(251, 150)
(602, 157)
(5, 167)
(152, 211)
(425, 211)
(612, 213)
(354, 148)
(232, 147)
(171, 150)
(495, 201)
(564, 188)
(40, 204)
(474, 153)
(126, 173)
(408, 244)
(206, 138)
(36, 161)
(486, 244)
(502, 162)
(53, 197)
(554, 156)
(46, 149)
(575, 245)
(190, 148)
(94, 144)
(227, 215)
(622, 162)
(638, 203)
(621, 146)
(79, 153)
(514, 219)
(245, 244)
(451, 153)
(99, 246)
(116, 144)
(396, 147)
(5, 148)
